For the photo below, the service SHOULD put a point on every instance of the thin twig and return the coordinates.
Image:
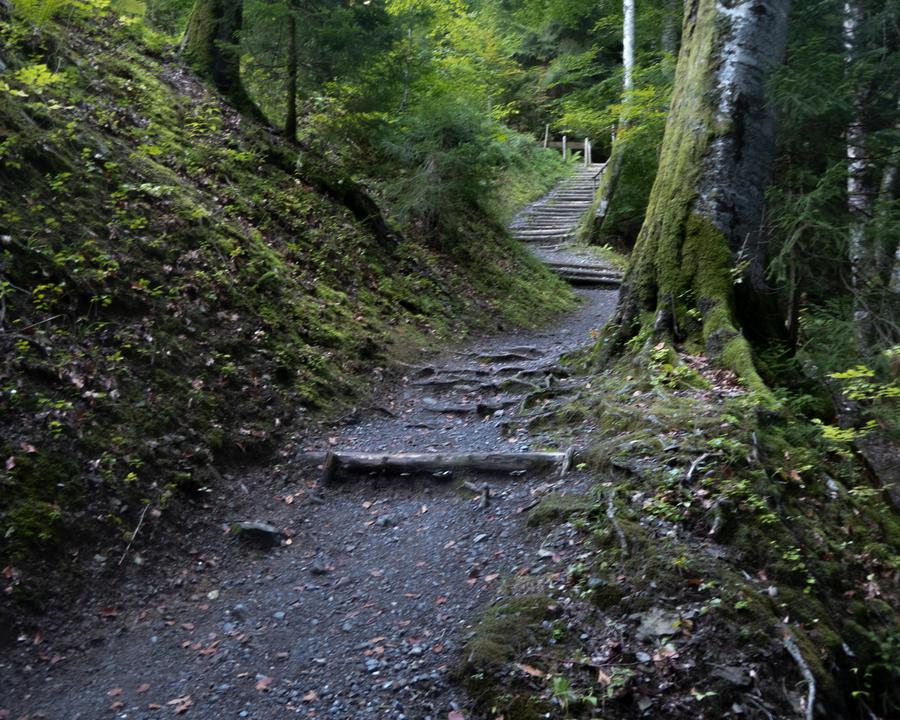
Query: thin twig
(134, 534)
(792, 648)
(611, 514)
(758, 704)
(40, 322)
(690, 472)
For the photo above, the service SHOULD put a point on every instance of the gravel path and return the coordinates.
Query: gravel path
(363, 610)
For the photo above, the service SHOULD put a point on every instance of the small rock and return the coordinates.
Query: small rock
(278, 615)
(642, 656)
(259, 533)
(479, 537)
(656, 622)
(239, 612)
(386, 521)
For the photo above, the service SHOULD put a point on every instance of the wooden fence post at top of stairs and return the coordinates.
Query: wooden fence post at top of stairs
(563, 145)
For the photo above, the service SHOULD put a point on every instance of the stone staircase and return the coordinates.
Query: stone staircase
(549, 226)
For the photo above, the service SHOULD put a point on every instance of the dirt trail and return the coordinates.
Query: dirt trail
(364, 611)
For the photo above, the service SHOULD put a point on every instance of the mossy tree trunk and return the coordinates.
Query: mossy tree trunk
(290, 122)
(609, 181)
(212, 47)
(702, 228)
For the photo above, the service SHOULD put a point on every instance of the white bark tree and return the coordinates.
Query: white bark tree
(859, 200)
(702, 228)
(614, 167)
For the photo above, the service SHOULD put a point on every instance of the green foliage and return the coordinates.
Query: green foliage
(39, 12)
(174, 296)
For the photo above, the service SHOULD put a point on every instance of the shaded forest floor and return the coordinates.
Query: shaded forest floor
(366, 611)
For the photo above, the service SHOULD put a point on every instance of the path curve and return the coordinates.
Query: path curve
(363, 611)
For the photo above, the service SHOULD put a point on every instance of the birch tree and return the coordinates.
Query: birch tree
(859, 201)
(610, 179)
(701, 233)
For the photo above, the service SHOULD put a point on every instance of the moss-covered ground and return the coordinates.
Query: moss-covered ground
(718, 537)
(174, 299)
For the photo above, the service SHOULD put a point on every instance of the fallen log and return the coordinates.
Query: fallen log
(432, 462)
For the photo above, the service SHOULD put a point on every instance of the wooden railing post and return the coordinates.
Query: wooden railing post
(587, 152)
(546, 135)
(564, 148)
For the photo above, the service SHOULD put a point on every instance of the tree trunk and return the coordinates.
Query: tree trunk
(702, 228)
(859, 202)
(212, 47)
(669, 36)
(290, 122)
(611, 173)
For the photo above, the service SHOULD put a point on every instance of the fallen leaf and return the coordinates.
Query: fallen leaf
(376, 573)
(490, 578)
(117, 705)
(8, 573)
(10, 462)
(187, 626)
(367, 504)
(529, 670)
(28, 447)
(289, 500)
(264, 683)
(311, 696)
(441, 600)
(115, 692)
(179, 701)
(455, 715)
(142, 688)
(38, 638)
(154, 706)
(109, 612)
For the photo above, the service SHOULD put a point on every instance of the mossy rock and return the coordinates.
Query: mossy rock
(504, 630)
(558, 507)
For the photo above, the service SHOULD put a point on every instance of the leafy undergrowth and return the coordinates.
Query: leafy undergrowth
(173, 299)
(726, 557)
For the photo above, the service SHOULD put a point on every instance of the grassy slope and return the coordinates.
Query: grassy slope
(173, 300)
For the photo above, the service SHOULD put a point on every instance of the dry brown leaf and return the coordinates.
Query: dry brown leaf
(455, 715)
(115, 692)
(142, 688)
(264, 683)
(311, 696)
(117, 705)
(530, 670)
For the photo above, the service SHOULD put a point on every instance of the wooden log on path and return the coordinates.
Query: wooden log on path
(334, 462)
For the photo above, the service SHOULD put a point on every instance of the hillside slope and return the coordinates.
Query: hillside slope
(175, 298)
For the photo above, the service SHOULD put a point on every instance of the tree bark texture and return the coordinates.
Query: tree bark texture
(609, 181)
(290, 121)
(702, 228)
(859, 199)
(212, 47)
